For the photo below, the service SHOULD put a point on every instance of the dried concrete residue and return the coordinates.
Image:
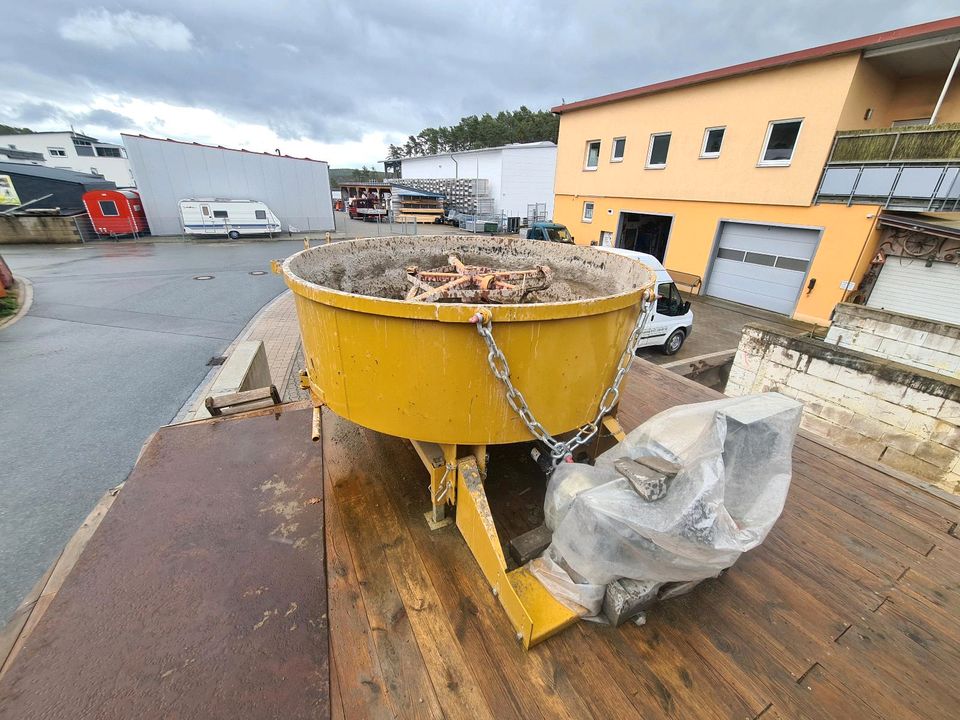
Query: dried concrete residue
(377, 266)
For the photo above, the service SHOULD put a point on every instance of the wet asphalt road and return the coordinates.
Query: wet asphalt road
(116, 341)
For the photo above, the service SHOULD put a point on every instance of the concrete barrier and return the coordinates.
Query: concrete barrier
(19, 229)
(245, 369)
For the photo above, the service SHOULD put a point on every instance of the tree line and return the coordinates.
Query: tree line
(473, 133)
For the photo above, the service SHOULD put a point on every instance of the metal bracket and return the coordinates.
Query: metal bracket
(534, 613)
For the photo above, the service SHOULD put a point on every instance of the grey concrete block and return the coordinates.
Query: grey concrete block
(625, 599)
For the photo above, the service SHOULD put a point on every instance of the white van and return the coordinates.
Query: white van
(233, 218)
(672, 321)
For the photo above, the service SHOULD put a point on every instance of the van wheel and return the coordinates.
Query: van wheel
(674, 342)
(233, 235)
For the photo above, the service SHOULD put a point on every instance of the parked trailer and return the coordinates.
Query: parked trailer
(115, 212)
(233, 218)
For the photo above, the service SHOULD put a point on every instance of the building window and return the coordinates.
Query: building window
(619, 147)
(588, 212)
(593, 155)
(260, 214)
(108, 208)
(57, 152)
(606, 238)
(108, 152)
(712, 142)
(780, 142)
(83, 147)
(220, 213)
(657, 153)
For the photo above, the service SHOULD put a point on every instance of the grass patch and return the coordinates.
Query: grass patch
(8, 305)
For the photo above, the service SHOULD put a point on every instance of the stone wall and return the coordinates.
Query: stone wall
(903, 417)
(910, 340)
(15, 229)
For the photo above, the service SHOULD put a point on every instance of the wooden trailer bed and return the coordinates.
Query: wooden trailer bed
(209, 588)
(848, 610)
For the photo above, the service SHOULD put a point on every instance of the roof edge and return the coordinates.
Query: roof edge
(911, 32)
(141, 136)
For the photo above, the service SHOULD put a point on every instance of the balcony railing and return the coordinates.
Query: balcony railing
(904, 186)
(916, 143)
(915, 168)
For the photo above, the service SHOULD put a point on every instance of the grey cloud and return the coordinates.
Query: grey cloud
(399, 67)
(107, 119)
(109, 30)
(38, 112)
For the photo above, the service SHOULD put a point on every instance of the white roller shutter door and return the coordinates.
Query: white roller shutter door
(762, 265)
(908, 286)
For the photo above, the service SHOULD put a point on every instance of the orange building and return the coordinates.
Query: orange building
(774, 180)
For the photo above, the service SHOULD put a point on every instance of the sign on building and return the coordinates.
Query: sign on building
(8, 193)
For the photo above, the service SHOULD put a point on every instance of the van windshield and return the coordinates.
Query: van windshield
(561, 235)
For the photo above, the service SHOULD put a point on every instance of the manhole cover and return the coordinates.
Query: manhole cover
(216, 360)
(203, 277)
(258, 272)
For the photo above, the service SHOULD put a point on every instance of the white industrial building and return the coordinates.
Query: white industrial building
(518, 175)
(69, 150)
(297, 190)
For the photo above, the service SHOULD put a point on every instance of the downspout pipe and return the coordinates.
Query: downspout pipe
(946, 86)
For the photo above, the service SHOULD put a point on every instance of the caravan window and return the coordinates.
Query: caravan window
(205, 210)
(220, 213)
(109, 208)
(261, 214)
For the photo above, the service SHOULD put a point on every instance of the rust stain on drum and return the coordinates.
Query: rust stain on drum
(201, 595)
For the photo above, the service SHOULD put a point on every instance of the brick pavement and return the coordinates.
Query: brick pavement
(277, 327)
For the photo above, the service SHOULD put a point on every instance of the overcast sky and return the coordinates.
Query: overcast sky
(338, 81)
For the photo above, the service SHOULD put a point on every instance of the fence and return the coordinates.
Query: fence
(897, 145)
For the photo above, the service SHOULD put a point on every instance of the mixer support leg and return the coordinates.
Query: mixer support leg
(441, 463)
(533, 611)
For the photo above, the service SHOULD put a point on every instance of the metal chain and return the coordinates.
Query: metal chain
(559, 451)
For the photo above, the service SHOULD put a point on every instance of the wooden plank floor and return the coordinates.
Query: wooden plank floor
(849, 609)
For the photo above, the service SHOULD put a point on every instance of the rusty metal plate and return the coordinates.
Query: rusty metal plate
(201, 595)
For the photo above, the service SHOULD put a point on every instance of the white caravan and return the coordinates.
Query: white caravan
(233, 218)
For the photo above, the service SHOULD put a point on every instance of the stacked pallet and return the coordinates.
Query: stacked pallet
(464, 195)
(419, 208)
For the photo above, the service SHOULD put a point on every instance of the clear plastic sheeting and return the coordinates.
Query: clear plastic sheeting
(721, 471)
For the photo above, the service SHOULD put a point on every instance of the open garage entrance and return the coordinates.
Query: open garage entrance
(645, 232)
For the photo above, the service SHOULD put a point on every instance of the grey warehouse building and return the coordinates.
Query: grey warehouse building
(297, 190)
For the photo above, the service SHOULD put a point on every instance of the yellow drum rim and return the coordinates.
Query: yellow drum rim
(460, 312)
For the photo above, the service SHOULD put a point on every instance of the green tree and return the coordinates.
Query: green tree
(11, 130)
(473, 133)
(364, 174)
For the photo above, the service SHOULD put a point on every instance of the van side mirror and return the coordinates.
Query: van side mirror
(686, 307)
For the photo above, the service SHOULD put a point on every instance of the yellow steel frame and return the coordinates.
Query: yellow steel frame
(532, 610)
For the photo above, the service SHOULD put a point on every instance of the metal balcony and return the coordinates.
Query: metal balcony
(909, 144)
(909, 168)
(903, 186)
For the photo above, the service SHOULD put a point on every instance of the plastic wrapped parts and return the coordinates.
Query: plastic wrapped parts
(677, 501)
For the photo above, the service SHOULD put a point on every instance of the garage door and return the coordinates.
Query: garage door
(761, 265)
(910, 287)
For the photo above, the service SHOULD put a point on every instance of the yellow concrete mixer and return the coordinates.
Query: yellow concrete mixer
(459, 342)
